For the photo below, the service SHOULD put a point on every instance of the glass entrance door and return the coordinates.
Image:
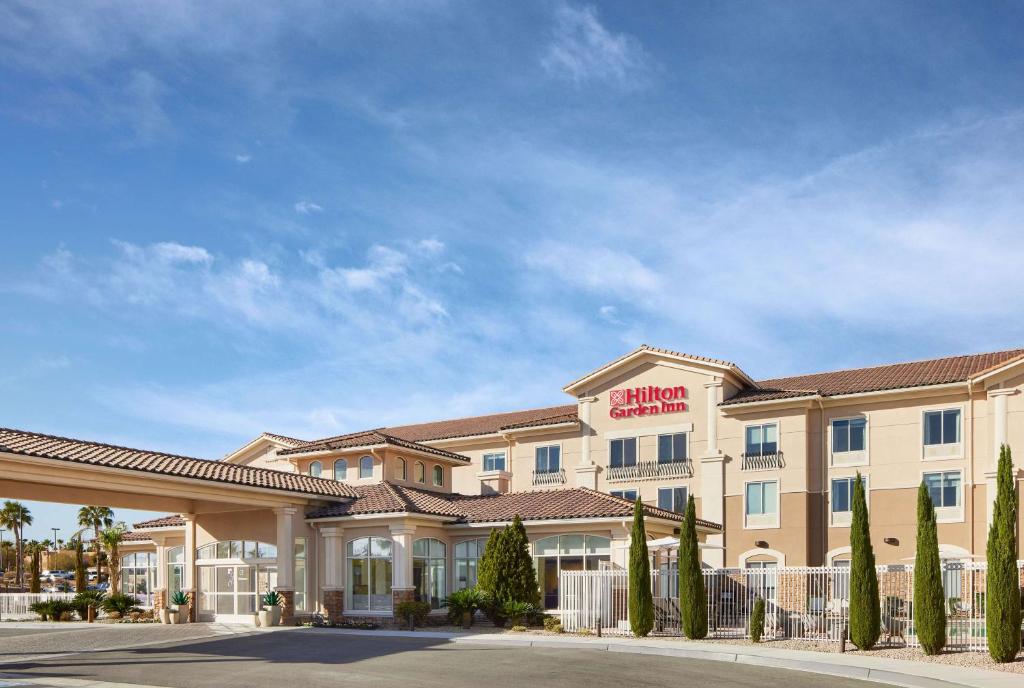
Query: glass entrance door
(233, 590)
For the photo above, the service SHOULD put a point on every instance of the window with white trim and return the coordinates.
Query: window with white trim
(849, 435)
(300, 573)
(369, 574)
(672, 499)
(761, 504)
(428, 571)
(944, 487)
(315, 469)
(438, 476)
(841, 500)
(421, 472)
(366, 467)
(494, 461)
(467, 561)
(401, 469)
(942, 433)
(622, 452)
(548, 459)
(672, 448)
(625, 494)
(340, 469)
(762, 439)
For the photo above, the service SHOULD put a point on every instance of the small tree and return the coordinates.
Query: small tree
(80, 578)
(641, 604)
(1002, 601)
(692, 597)
(757, 620)
(865, 611)
(111, 538)
(488, 574)
(34, 584)
(929, 600)
(519, 571)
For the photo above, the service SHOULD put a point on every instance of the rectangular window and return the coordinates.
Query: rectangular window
(494, 462)
(625, 494)
(942, 427)
(672, 499)
(848, 435)
(672, 448)
(762, 498)
(762, 439)
(623, 452)
(842, 494)
(943, 488)
(300, 574)
(548, 459)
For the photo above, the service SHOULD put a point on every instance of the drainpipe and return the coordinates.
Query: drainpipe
(824, 480)
(969, 447)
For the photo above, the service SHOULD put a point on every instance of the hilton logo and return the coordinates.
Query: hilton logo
(646, 401)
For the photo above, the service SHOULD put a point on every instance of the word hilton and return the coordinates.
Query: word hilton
(646, 401)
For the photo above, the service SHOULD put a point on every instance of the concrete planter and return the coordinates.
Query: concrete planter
(177, 616)
(266, 617)
(165, 615)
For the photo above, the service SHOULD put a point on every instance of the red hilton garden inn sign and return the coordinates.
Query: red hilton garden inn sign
(646, 401)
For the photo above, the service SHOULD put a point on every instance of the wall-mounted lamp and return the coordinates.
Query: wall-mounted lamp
(763, 544)
(892, 541)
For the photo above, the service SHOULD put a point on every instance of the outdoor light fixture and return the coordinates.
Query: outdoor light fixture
(763, 544)
(892, 541)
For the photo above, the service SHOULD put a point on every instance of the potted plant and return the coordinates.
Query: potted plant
(270, 614)
(180, 613)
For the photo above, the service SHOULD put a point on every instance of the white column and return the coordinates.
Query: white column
(586, 471)
(997, 399)
(161, 563)
(401, 536)
(285, 548)
(189, 582)
(712, 478)
(334, 563)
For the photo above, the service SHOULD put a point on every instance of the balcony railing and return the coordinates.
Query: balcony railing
(650, 470)
(762, 462)
(549, 477)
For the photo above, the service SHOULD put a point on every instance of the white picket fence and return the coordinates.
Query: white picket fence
(15, 605)
(802, 603)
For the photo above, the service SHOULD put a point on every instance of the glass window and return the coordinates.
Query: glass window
(841, 579)
(300, 573)
(943, 488)
(567, 553)
(494, 462)
(401, 469)
(942, 427)
(762, 498)
(467, 561)
(672, 499)
(548, 459)
(340, 469)
(438, 476)
(762, 439)
(848, 435)
(623, 452)
(421, 472)
(842, 494)
(366, 467)
(625, 494)
(672, 448)
(369, 561)
(952, 579)
(428, 571)
(315, 469)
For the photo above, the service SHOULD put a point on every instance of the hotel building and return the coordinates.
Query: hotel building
(353, 523)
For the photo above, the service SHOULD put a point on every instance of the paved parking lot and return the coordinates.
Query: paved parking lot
(301, 657)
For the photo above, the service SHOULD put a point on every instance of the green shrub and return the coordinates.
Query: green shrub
(121, 604)
(272, 598)
(518, 629)
(1002, 612)
(929, 610)
(465, 601)
(757, 620)
(413, 611)
(693, 605)
(61, 610)
(506, 570)
(865, 610)
(516, 611)
(44, 608)
(550, 622)
(641, 602)
(86, 599)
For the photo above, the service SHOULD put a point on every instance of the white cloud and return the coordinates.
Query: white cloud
(243, 158)
(307, 207)
(383, 264)
(594, 268)
(583, 50)
(431, 247)
(173, 252)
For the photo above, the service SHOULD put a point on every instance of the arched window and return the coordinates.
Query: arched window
(340, 469)
(369, 573)
(421, 475)
(401, 471)
(467, 559)
(570, 553)
(438, 476)
(175, 570)
(138, 576)
(428, 571)
(366, 467)
(315, 469)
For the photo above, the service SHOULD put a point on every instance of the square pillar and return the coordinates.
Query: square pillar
(189, 583)
(286, 562)
(401, 582)
(586, 471)
(997, 400)
(334, 572)
(712, 478)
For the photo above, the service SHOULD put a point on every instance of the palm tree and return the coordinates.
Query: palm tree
(15, 516)
(111, 538)
(96, 517)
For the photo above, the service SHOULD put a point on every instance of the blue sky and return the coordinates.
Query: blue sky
(220, 218)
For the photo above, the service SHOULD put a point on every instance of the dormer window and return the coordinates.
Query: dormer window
(340, 469)
(401, 471)
(438, 476)
(421, 472)
(315, 469)
(366, 467)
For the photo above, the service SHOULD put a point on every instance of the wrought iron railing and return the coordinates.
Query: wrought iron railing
(649, 470)
(549, 477)
(763, 462)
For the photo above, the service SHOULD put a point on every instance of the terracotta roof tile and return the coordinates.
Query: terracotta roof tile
(168, 521)
(574, 502)
(132, 536)
(483, 425)
(936, 371)
(370, 438)
(97, 454)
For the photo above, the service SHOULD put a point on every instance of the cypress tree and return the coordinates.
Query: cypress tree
(34, 584)
(519, 571)
(489, 574)
(80, 580)
(693, 606)
(641, 603)
(929, 600)
(865, 611)
(757, 620)
(1002, 598)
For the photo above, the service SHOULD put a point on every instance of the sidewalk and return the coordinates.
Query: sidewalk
(880, 670)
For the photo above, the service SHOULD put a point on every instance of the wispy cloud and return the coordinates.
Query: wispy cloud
(582, 50)
(243, 158)
(307, 207)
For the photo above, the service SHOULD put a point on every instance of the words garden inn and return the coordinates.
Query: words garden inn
(353, 524)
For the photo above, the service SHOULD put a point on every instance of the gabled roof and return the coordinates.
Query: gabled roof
(267, 437)
(893, 376)
(125, 458)
(132, 536)
(168, 521)
(367, 439)
(567, 503)
(645, 349)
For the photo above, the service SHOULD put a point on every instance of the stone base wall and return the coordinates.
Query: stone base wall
(193, 604)
(287, 607)
(334, 604)
(159, 600)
